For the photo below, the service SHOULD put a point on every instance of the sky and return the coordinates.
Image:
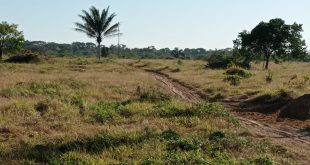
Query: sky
(209, 24)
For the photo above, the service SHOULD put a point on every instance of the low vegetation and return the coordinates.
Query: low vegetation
(53, 114)
(289, 76)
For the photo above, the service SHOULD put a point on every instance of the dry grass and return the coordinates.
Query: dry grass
(292, 76)
(81, 111)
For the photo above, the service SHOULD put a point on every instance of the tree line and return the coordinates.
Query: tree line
(82, 49)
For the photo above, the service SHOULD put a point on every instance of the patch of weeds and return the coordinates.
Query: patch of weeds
(184, 145)
(80, 103)
(74, 158)
(233, 79)
(170, 135)
(21, 108)
(207, 109)
(58, 88)
(154, 96)
(149, 162)
(202, 110)
(217, 136)
(299, 82)
(9, 92)
(278, 149)
(262, 161)
(184, 158)
(104, 112)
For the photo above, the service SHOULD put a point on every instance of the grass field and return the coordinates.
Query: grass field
(289, 76)
(80, 111)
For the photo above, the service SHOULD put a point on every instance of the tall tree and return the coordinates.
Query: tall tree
(97, 25)
(273, 39)
(11, 39)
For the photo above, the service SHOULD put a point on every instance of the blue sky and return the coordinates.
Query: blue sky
(207, 24)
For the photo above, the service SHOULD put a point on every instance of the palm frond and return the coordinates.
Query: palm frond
(112, 30)
(108, 21)
(85, 29)
(96, 24)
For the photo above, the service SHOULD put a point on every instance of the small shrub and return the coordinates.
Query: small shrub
(235, 74)
(234, 70)
(42, 106)
(269, 77)
(180, 62)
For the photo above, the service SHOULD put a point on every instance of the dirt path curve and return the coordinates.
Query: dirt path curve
(295, 141)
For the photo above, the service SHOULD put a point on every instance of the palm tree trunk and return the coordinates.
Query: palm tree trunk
(99, 51)
(1, 53)
(267, 62)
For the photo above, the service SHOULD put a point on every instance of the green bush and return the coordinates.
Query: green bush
(26, 57)
(219, 61)
(235, 70)
(235, 74)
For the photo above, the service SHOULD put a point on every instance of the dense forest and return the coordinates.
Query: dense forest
(89, 49)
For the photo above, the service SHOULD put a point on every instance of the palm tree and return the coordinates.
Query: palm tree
(97, 25)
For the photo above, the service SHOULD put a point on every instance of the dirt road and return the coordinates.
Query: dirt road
(298, 142)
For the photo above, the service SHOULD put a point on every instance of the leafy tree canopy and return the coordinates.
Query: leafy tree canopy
(11, 39)
(274, 39)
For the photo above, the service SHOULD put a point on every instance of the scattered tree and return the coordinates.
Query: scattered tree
(273, 39)
(178, 53)
(97, 25)
(11, 39)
